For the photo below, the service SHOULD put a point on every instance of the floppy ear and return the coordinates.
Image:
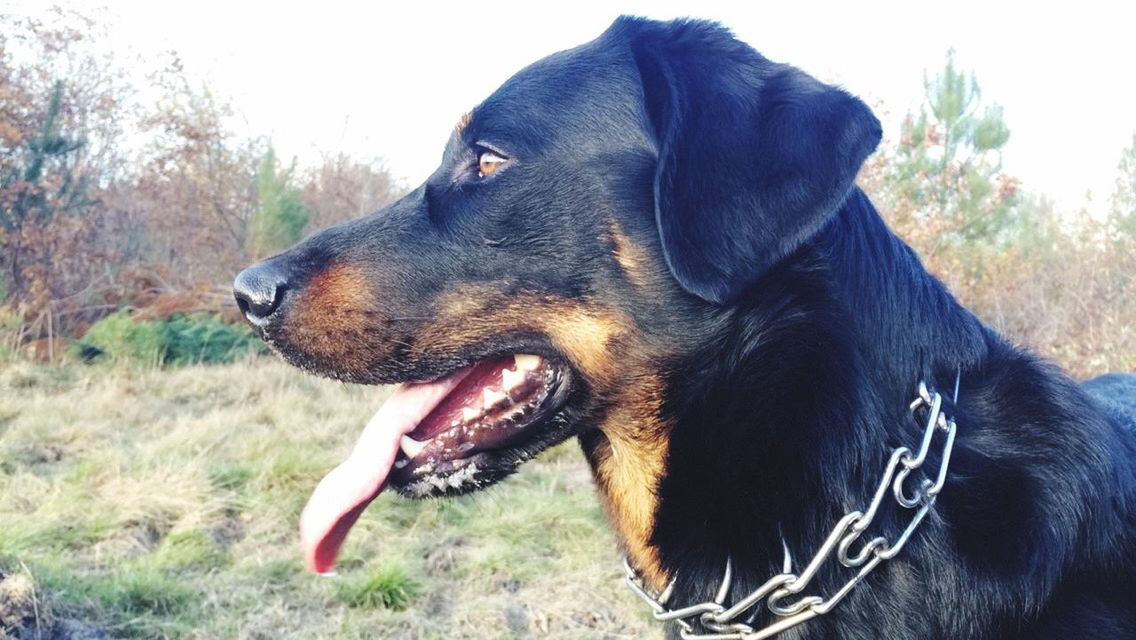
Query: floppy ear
(754, 156)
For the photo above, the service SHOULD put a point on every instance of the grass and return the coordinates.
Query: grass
(389, 587)
(163, 504)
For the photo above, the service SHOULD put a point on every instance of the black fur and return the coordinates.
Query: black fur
(792, 329)
(754, 157)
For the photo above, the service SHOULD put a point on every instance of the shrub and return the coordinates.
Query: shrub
(120, 338)
(206, 339)
(178, 341)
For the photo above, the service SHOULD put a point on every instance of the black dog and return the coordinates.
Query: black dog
(653, 242)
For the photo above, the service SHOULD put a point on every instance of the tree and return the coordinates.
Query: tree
(280, 216)
(947, 168)
(343, 188)
(193, 192)
(1123, 199)
(59, 119)
(37, 187)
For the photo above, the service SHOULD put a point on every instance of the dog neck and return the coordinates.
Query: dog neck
(778, 434)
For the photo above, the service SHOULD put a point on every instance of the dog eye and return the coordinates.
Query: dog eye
(488, 162)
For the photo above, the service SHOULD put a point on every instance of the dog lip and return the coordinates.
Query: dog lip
(429, 372)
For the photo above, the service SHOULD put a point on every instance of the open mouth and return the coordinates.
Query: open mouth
(447, 436)
(491, 408)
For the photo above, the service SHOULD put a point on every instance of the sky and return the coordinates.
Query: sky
(389, 80)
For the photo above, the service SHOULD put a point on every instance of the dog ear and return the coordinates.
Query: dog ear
(754, 156)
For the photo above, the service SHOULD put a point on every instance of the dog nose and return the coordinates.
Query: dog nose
(259, 290)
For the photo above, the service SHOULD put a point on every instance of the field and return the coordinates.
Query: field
(163, 504)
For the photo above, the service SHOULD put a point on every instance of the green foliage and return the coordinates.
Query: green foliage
(180, 340)
(389, 587)
(11, 326)
(207, 340)
(947, 166)
(280, 218)
(122, 339)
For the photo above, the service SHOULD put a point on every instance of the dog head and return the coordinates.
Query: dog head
(592, 225)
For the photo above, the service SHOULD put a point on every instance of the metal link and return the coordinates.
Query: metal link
(721, 621)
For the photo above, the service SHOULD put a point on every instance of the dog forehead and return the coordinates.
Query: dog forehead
(577, 93)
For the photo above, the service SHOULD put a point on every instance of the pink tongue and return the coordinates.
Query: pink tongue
(344, 493)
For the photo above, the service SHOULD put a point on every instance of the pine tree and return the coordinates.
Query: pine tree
(41, 183)
(948, 166)
(280, 218)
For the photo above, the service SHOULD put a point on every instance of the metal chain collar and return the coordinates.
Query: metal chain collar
(722, 622)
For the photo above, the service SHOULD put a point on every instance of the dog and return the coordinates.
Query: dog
(653, 243)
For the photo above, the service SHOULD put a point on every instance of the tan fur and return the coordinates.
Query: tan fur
(328, 318)
(628, 466)
(630, 256)
(585, 337)
(463, 122)
(583, 333)
(601, 342)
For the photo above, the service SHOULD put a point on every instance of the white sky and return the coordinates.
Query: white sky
(391, 79)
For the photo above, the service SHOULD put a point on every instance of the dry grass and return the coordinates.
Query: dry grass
(164, 504)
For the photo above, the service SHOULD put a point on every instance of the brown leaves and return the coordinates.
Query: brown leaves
(1064, 286)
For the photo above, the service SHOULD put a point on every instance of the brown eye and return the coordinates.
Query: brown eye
(488, 162)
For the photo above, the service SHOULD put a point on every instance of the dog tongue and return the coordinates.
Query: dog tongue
(344, 493)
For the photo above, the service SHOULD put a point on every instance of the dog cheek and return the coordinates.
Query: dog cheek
(587, 339)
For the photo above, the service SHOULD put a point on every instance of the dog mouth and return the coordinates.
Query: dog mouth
(447, 436)
(491, 409)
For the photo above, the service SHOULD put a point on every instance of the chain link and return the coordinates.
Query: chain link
(719, 621)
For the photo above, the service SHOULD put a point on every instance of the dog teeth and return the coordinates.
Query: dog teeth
(410, 446)
(511, 379)
(490, 398)
(527, 362)
(469, 414)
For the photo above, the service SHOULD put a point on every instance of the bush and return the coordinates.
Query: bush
(208, 340)
(120, 338)
(178, 341)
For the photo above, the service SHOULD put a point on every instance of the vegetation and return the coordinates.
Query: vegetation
(95, 223)
(142, 499)
(153, 503)
(280, 218)
(178, 341)
(1062, 284)
(105, 197)
(947, 165)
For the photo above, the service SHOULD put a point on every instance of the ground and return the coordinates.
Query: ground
(163, 504)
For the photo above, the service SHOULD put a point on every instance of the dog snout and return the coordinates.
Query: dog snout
(259, 290)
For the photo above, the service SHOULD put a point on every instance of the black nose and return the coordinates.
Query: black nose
(259, 290)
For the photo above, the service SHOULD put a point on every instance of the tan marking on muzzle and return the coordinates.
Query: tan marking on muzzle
(329, 315)
(586, 338)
